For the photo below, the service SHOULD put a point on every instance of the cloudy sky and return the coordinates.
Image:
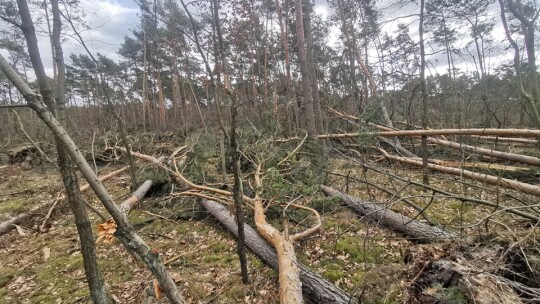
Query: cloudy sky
(111, 20)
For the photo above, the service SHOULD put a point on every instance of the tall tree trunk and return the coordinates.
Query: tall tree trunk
(289, 94)
(96, 283)
(311, 67)
(306, 94)
(424, 95)
(238, 191)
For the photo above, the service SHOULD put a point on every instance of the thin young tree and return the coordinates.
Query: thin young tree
(125, 232)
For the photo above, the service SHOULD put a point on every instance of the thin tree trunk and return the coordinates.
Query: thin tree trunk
(238, 191)
(306, 94)
(127, 235)
(424, 95)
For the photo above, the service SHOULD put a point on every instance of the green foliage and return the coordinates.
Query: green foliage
(325, 205)
(204, 158)
(161, 179)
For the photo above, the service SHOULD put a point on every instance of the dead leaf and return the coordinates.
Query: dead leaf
(431, 291)
(106, 231)
(20, 230)
(157, 290)
(46, 253)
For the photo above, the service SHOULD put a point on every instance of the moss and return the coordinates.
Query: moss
(235, 292)
(6, 275)
(325, 205)
(335, 273)
(353, 247)
(53, 274)
(218, 259)
(14, 206)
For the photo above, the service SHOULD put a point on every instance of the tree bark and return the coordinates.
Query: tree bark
(136, 197)
(316, 288)
(379, 213)
(306, 93)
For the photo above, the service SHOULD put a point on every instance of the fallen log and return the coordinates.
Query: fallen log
(530, 160)
(485, 166)
(107, 229)
(507, 139)
(378, 213)
(485, 178)
(437, 132)
(496, 206)
(9, 224)
(314, 287)
(136, 197)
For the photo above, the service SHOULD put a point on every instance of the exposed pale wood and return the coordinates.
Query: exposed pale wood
(136, 197)
(314, 287)
(379, 213)
(485, 178)
(290, 287)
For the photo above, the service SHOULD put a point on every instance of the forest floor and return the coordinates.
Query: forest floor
(363, 259)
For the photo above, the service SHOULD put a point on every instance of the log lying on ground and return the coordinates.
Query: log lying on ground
(491, 153)
(507, 139)
(485, 178)
(40, 209)
(315, 288)
(379, 213)
(107, 229)
(436, 132)
(485, 166)
(136, 197)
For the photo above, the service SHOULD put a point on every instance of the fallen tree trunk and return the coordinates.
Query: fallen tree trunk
(7, 225)
(107, 229)
(485, 178)
(491, 153)
(507, 139)
(414, 229)
(436, 132)
(485, 166)
(136, 197)
(315, 287)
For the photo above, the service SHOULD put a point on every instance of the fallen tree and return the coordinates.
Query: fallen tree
(484, 166)
(496, 206)
(436, 132)
(315, 287)
(530, 160)
(9, 224)
(289, 281)
(485, 178)
(379, 213)
(107, 229)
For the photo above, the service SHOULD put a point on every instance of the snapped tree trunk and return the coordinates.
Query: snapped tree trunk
(379, 213)
(315, 287)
